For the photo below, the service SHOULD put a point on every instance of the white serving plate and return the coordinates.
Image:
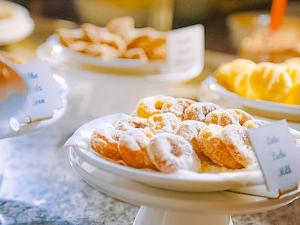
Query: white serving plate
(179, 181)
(63, 59)
(210, 90)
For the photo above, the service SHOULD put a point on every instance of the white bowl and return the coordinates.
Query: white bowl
(180, 181)
(17, 27)
(56, 53)
(210, 90)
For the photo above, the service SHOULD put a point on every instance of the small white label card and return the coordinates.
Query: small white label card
(185, 48)
(277, 154)
(43, 91)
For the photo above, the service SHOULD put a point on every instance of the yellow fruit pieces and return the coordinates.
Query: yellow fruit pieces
(271, 82)
(265, 81)
(235, 76)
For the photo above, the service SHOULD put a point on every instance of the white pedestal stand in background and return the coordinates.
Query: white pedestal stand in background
(164, 207)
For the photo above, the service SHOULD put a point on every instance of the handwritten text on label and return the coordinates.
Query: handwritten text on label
(277, 155)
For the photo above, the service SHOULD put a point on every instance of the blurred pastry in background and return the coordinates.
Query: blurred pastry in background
(119, 39)
(122, 26)
(274, 47)
(10, 80)
(262, 81)
(250, 36)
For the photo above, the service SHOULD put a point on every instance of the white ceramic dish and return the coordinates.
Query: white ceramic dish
(179, 181)
(57, 57)
(18, 26)
(210, 90)
(172, 207)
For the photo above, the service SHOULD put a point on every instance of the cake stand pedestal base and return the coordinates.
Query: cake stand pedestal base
(166, 207)
(150, 216)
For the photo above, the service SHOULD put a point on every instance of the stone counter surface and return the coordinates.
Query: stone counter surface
(39, 187)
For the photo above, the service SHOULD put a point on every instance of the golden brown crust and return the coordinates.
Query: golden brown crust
(131, 123)
(226, 146)
(170, 152)
(225, 117)
(149, 106)
(122, 26)
(189, 130)
(105, 145)
(198, 111)
(157, 137)
(133, 149)
(177, 107)
(165, 122)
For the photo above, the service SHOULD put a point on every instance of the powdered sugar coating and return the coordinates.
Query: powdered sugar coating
(244, 116)
(130, 123)
(165, 122)
(132, 148)
(177, 107)
(159, 136)
(170, 152)
(199, 110)
(224, 117)
(189, 130)
(104, 142)
(149, 106)
(227, 146)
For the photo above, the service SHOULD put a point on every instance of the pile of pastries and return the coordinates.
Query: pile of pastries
(167, 134)
(118, 39)
(264, 81)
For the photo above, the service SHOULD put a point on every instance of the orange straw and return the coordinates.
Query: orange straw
(277, 13)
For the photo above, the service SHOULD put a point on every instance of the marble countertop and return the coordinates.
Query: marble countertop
(39, 186)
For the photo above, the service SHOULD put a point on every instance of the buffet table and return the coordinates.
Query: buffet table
(39, 186)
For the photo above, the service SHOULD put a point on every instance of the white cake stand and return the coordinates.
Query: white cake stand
(164, 207)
